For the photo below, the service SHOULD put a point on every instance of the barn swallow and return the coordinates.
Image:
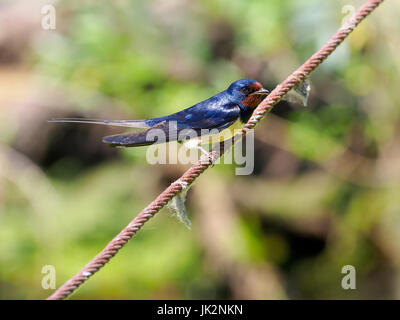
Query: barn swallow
(225, 111)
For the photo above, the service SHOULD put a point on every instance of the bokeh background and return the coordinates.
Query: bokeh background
(325, 191)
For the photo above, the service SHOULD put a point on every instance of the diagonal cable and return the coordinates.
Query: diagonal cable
(199, 167)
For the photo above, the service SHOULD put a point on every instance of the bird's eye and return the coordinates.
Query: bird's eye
(246, 90)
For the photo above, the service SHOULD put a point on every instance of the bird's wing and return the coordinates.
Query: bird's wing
(120, 123)
(182, 125)
(159, 133)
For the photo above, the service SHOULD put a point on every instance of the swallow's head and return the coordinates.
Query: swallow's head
(247, 91)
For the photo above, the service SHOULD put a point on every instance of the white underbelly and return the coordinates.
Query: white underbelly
(217, 137)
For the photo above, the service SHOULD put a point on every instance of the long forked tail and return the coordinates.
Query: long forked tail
(120, 123)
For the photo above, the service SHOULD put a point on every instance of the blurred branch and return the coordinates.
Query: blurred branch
(217, 226)
(206, 161)
(26, 175)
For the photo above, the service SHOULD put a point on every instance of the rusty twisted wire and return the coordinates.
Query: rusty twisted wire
(198, 168)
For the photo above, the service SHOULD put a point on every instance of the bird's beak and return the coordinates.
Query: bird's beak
(261, 92)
